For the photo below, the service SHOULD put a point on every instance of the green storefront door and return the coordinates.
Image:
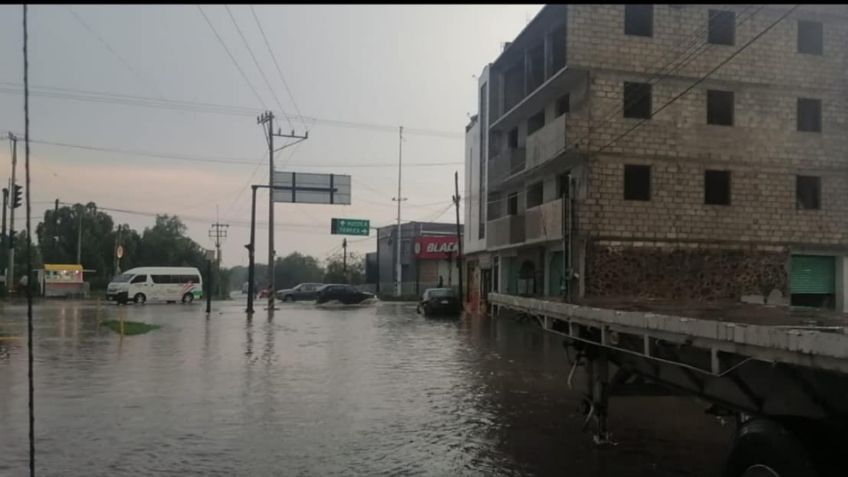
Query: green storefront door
(812, 274)
(555, 275)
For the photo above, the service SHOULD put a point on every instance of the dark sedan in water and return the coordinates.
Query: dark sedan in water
(439, 301)
(344, 294)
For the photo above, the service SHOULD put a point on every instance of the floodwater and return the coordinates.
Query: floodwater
(373, 390)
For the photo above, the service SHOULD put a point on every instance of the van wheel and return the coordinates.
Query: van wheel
(140, 298)
(188, 298)
(764, 448)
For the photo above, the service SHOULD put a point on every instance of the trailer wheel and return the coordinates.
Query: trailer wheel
(764, 448)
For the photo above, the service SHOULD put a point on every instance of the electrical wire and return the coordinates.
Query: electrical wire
(277, 65)
(238, 67)
(258, 66)
(136, 73)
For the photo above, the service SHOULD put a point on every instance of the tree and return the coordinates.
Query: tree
(296, 268)
(59, 235)
(165, 244)
(21, 259)
(355, 269)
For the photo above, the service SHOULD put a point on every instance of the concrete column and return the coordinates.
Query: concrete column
(841, 285)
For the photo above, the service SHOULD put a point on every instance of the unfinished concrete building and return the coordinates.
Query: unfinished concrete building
(687, 152)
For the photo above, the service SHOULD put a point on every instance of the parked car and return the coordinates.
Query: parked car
(439, 301)
(302, 292)
(345, 294)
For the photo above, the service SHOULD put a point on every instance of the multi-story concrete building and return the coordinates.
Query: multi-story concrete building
(664, 151)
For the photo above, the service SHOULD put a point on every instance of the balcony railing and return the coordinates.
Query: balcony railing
(544, 222)
(506, 164)
(506, 230)
(547, 143)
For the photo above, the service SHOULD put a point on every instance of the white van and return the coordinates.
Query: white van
(156, 284)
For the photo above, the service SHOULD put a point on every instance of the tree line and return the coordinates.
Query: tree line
(165, 243)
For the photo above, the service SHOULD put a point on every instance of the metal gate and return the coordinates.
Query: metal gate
(812, 274)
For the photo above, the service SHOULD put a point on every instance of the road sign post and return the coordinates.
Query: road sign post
(350, 227)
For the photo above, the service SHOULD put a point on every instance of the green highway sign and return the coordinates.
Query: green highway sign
(350, 227)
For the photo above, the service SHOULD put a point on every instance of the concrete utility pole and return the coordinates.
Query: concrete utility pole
(10, 269)
(268, 118)
(80, 211)
(344, 258)
(458, 236)
(399, 199)
(218, 232)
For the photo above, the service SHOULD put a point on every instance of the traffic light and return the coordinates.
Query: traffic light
(16, 196)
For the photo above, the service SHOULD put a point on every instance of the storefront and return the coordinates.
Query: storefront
(436, 261)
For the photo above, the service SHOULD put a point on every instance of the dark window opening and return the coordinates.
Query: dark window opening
(717, 187)
(637, 100)
(513, 86)
(535, 67)
(639, 20)
(812, 300)
(534, 195)
(536, 122)
(808, 192)
(512, 139)
(720, 107)
(493, 210)
(809, 115)
(558, 50)
(722, 27)
(810, 37)
(637, 182)
(563, 182)
(512, 204)
(563, 105)
(139, 279)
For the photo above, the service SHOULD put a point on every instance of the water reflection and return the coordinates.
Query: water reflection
(351, 391)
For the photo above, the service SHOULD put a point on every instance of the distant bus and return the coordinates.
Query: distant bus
(169, 284)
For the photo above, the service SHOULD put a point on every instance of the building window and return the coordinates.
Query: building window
(493, 206)
(535, 67)
(808, 192)
(810, 37)
(717, 187)
(809, 115)
(639, 20)
(534, 195)
(720, 107)
(563, 105)
(637, 182)
(563, 182)
(512, 204)
(722, 26)
(536, 122)
(558, 41)
(637, 100)
(512, 139)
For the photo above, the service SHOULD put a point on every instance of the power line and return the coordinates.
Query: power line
(114, 53)
(201, 107)
(224, 45)
(277, 65)
(258, 67)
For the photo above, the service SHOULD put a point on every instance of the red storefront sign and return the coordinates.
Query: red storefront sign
(436, 248)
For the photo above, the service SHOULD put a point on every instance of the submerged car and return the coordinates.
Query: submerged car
(439, 301)
(302, 292)
(344, 294)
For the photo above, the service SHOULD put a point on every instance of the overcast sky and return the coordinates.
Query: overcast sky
(369, 65)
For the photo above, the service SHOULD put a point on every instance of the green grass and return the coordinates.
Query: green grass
(130, 327)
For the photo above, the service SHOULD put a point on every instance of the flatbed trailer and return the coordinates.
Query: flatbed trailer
(782, 374)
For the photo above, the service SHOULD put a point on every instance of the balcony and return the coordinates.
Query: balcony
(547, 143)
(505, 231)
(506, 164)
(544, 222)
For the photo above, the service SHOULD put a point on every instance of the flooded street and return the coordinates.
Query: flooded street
(376, 390)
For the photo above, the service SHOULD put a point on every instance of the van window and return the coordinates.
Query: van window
(139, 279)
(159, 279)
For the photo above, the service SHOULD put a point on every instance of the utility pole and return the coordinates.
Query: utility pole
(217, 232)
(3, 240)
(117, 257)
(80, 211)
(399, 199)
(344, 258)
(250, 249)
(458, 235)
(10, 269)
(268, 118)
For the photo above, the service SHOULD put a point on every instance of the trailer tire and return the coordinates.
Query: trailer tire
(764, 448)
